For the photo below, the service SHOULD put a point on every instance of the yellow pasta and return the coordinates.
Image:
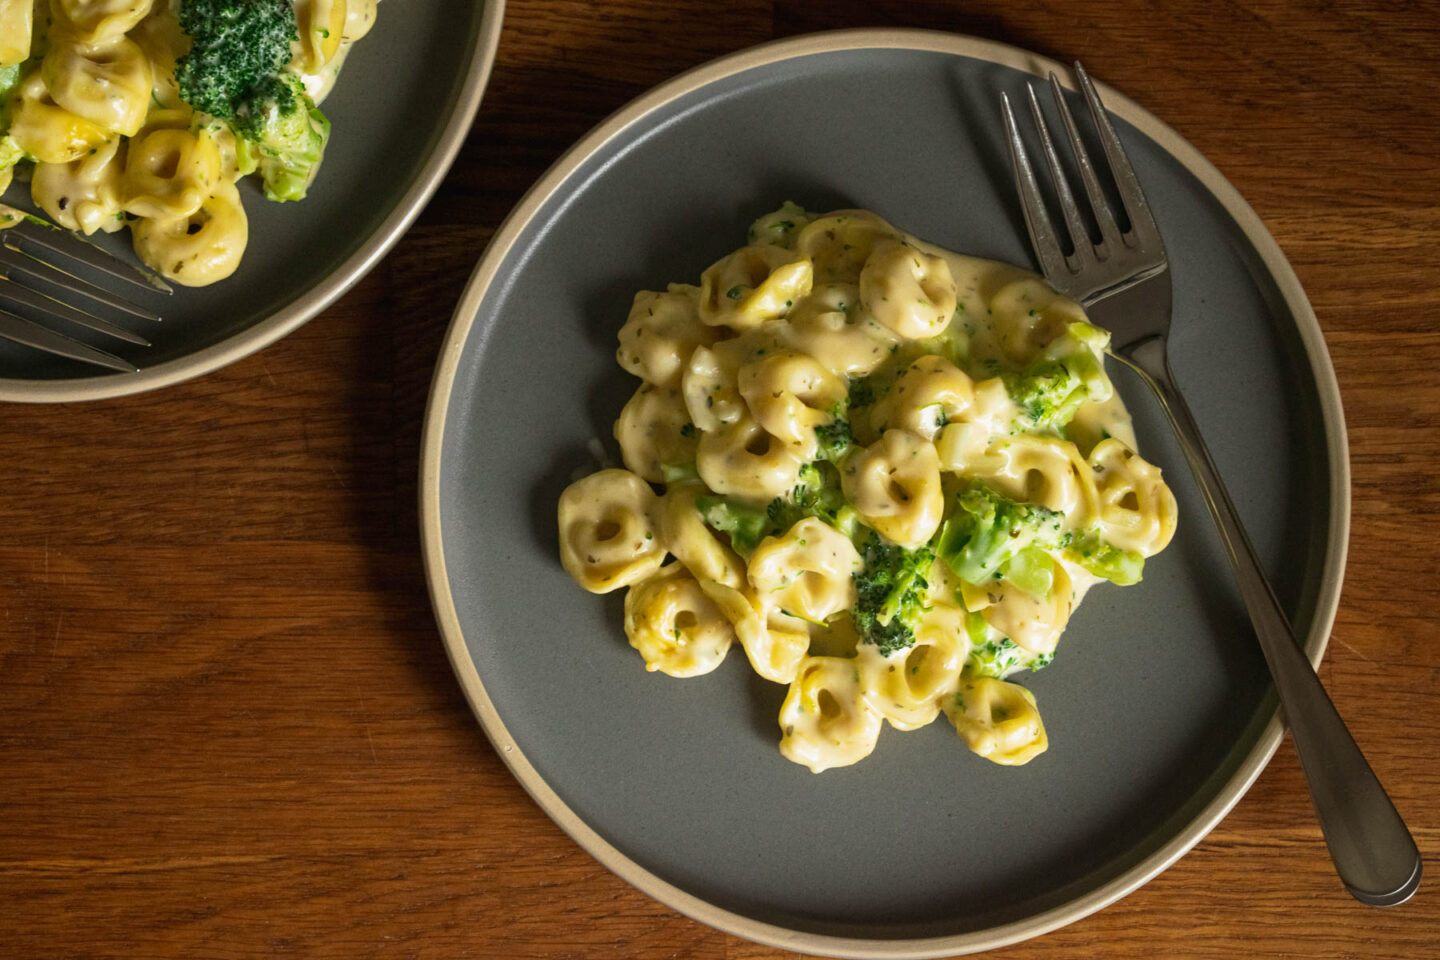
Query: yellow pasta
(674, 625)
(200, 247)
(825, 719)
(607, 537)
(891, 472)
(98, 98)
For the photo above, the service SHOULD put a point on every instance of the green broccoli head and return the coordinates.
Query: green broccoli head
(987, 530)
(816, 494)
(1067, 374)
(745, 523)
(288, 132)
(891, 593)
(1106, 560)
(835, 437)
(234, 46)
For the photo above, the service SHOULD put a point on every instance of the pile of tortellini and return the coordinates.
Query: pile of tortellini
(890, 472)
(88, 95)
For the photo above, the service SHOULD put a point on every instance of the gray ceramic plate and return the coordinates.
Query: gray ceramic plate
(399, 113)
(1158, 706)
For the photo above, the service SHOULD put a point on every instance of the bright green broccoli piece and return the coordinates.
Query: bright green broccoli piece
(987, 530)
(9, 80)
(10, 154)
(747, 525)
(288, 133)
(835, 437)
(995, 658)
(1065, 375)
(1032, 570)
(1106, 560)
(234, 46)
(892, 592)
(862, 392)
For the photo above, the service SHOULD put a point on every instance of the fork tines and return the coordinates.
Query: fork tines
(32, 285)
(1137, 249)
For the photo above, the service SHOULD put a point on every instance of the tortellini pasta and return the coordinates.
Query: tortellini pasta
(891, 473)
(674, 625)
(93, 102)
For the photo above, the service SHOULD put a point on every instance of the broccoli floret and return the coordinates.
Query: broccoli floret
(234, 46)
(9, 80)
(986, 530)
(835, 437)
(1106, 560)
(288, 132)
(891, 594)
(1067, 374)
(862, 392)
(747, 525)
(996, 658)
(816, 494)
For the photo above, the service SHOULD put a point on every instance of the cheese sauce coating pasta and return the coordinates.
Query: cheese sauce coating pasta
(94, 108)
(890, 471)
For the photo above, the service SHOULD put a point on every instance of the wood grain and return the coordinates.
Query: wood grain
(229, 729)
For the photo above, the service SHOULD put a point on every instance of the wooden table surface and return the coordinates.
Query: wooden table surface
(228, 728)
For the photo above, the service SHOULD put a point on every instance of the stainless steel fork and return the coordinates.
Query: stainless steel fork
(1123, 281)
(32, 283)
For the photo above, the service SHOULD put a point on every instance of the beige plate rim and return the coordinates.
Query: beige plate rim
(485, 274)
(323, 294)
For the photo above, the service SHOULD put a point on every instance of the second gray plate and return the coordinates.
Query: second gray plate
(399, 115)
(1158, 705)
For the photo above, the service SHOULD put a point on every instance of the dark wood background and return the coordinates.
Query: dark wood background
(227, 726)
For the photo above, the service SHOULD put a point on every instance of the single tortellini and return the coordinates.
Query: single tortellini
(775, 642)
(169, 171)
(663, 329)
(741, 459)
(840, 243)
(808, 571)
(753, 285)
(652, 432)
(674, 625)
(201, 247)
(927, 395)
(607, 537)
(997, 720)
(906, 687)
(83, 194)
(1034, 623)
(964, 445)
(909, 291)
(321, 26)
(47, 131)
(830, 326)
(709, 387)
(1044, 470)
(1027, 314)
(359, 18)
(1136, 509)
(790, 394)
(17, 21)
(106, 82)
(825, 719)
(895, 486)
(692, 541)
(160, 36)
(94, 20)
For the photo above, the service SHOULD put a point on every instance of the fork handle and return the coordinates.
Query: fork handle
(1370, 846)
